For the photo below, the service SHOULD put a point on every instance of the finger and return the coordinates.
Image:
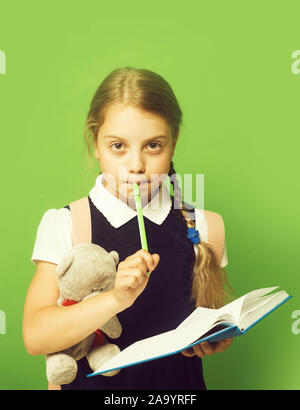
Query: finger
(150, 260)
(156, 258)
(207, 348)
(227, 342)
(188, 352)
(199, 351)
(135, 262)
(124, 282)
(131, 278)
(223, 344)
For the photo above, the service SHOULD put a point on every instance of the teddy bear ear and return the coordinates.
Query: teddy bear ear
(64, 265)
(115, 256)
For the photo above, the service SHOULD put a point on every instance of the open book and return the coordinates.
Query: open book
(202, 324)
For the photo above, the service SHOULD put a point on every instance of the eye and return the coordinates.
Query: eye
(116, 143)
(155, 143)
(115, 146)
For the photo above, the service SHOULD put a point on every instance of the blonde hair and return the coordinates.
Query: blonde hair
(149, 91)
(208, 278)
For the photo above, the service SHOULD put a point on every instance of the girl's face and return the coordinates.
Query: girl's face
(134, 145)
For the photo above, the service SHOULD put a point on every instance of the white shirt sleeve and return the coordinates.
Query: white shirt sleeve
(201, 226)
(54, 236)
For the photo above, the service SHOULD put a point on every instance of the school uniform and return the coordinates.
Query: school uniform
(164, 303)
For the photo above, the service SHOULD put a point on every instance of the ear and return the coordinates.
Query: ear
(115, 256)
(64, 265)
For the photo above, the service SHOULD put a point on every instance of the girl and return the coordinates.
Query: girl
(133, 125)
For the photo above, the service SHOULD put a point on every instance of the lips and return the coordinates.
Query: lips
(136, 182)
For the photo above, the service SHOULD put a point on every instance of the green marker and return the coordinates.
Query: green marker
(140, 217)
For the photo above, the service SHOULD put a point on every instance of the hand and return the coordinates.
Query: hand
(206, 348)
(131, 278)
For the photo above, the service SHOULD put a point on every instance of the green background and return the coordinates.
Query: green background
(230, 65)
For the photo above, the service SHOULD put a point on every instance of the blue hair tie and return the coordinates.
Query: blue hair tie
(193, 235)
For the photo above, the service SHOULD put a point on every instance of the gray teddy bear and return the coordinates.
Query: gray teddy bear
(85, 271)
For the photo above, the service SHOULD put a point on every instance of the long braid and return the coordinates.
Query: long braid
(208, 278)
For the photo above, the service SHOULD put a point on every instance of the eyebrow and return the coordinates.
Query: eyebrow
(123, 139)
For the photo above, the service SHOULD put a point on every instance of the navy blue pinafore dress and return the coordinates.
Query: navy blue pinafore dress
(161, 307)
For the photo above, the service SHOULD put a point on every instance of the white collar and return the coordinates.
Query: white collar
(118, 212)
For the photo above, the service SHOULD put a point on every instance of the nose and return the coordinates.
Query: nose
(136, 164)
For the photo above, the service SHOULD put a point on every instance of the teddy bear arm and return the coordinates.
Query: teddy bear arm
(79, 350)
(112, 328)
